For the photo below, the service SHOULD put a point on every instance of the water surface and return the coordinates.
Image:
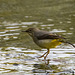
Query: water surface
(18, 52)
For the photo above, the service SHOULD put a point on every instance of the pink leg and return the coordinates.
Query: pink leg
(43, 55)
(47, 53)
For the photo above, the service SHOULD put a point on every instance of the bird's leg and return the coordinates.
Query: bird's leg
(47, 54)
(43, 55)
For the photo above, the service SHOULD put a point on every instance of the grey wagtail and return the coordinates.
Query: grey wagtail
(46, 39)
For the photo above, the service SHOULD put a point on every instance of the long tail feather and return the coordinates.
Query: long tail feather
(67, 43)
(70, 44)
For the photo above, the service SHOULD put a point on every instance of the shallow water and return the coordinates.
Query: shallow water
(24, 61)
(19, 54)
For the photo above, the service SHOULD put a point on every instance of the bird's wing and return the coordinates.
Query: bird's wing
(49, 36)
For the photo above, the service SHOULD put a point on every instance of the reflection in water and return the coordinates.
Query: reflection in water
(58, 30)
(29, 23)
(50, 69)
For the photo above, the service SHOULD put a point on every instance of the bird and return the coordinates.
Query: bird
(45, 39)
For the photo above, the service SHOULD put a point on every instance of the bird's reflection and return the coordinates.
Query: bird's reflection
(49, 69)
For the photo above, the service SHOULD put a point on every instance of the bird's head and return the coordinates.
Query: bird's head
(31, 31)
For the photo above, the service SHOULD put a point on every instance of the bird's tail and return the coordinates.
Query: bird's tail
(68, 43)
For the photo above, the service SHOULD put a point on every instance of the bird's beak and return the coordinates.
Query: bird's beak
(24, 31)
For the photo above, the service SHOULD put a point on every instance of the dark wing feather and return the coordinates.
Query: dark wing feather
(49, 36)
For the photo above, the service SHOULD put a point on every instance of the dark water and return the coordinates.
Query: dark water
(18, 53)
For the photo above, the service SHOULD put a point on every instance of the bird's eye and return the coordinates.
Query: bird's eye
(29, 30)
